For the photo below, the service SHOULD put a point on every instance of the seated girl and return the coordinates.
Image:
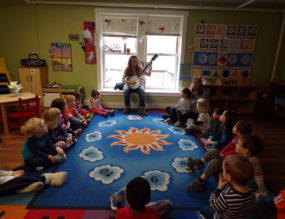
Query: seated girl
(95, 105)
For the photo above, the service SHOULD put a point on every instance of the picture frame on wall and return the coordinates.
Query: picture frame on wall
(61, 57)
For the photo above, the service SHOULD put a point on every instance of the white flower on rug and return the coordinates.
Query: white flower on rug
(179, 164)
(187, 145)
(177, 130)
(106, 173)
(134, 117)
(158, 180)
(91, 154)
(93, 136)
(107, 123)
(158, 120)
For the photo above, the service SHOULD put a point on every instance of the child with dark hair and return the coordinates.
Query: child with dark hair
(79, 105)
(214, 123)
(232, 198)
(228, 119)
(137, 195)
(176, 114)
(215, 157)
(96, 107)
(250, 146)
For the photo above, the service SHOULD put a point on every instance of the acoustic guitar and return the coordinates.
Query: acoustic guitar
(136, 78)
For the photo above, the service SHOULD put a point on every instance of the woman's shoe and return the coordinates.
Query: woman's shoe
(126, 111)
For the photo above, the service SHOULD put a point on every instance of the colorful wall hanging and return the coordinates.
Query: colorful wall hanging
(223, 51)
(89, 47)
(61, 57)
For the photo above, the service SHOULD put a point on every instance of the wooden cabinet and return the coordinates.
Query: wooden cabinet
(33, 79)
(277, 91)
(241, 99)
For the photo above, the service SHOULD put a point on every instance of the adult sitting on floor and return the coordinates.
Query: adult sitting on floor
(131, 78)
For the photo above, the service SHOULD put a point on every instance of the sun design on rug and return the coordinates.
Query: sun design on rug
(143, 139)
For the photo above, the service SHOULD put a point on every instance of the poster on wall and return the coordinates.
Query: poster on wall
(61, 57)
(223, 51)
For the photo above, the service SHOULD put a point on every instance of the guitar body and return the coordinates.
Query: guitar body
(137, 81)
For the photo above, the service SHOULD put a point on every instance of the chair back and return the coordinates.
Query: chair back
(29, 108)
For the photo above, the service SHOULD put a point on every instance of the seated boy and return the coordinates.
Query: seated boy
(232, 198)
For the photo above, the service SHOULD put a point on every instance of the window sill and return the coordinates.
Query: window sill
(156, 93)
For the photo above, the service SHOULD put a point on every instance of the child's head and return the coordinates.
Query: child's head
(59, 103)
(138, 193)
(228, 119)
(217, 113)
(95, 93)
(202, 105)
(242, 128)
(237, 169)
(78, 98)
(70, 100)
(34, 127)
(249, 145)
(52, 117)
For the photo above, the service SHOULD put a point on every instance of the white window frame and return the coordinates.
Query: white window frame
(99, 12)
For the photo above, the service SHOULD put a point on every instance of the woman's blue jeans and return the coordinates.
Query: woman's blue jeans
(139, 91)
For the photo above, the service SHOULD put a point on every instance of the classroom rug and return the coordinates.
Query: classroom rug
(112, 151)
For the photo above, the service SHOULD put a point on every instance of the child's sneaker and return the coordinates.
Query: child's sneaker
(178, 123)
(167, 120)
(55, 179)
(193, 163)
(196, 186)
(114, 205)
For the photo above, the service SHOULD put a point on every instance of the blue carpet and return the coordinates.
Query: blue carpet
(113, 151)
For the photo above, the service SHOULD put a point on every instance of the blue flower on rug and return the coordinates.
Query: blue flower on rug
(158, 120)
(107, 123)
(158, 180)
(93, 136)
(187, 145)
(179, 164)
(134, 117)
(177, 130)
(91, 154)
(106, 173)
(143, 139)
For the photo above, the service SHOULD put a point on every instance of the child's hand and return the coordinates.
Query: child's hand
(178, 107)
(52, 158)
(60, 143)
(222, 182)
(84, 123)
(209, 142)
(59, 151)
(19, 173)
(69, 140)
(257, 195)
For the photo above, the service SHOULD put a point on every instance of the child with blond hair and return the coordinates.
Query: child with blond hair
(57, 134)
(38, 150)
(76, 119)
(202, 124)
(95, 105)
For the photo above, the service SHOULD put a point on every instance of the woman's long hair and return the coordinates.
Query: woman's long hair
(129, 68)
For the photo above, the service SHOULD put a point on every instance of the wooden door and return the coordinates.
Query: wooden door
(24, 76)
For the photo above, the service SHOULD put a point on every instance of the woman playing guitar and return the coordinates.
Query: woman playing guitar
(131, 78)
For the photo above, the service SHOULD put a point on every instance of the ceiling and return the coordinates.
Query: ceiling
(245, 4)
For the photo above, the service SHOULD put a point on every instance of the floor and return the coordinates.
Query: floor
(270, 127)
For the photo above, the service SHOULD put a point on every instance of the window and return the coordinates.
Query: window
(122, 33)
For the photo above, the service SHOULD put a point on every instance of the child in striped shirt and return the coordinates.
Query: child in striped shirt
(232, 199)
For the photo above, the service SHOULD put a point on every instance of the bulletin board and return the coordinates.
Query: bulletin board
(223, 51)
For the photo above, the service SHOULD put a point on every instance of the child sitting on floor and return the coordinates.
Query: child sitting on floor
(228, 119)
(137, 195)
(76, 119)
(214, 123)
(215, 157)
(55, 131)
(232, 198)
(203, 121)
(176, 114)
(79, 106)
(95, 105)
(17, 182)
(38, 150)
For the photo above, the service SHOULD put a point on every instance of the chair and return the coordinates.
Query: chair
(26, 109)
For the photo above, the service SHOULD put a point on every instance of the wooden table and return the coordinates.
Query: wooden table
(8, 100)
